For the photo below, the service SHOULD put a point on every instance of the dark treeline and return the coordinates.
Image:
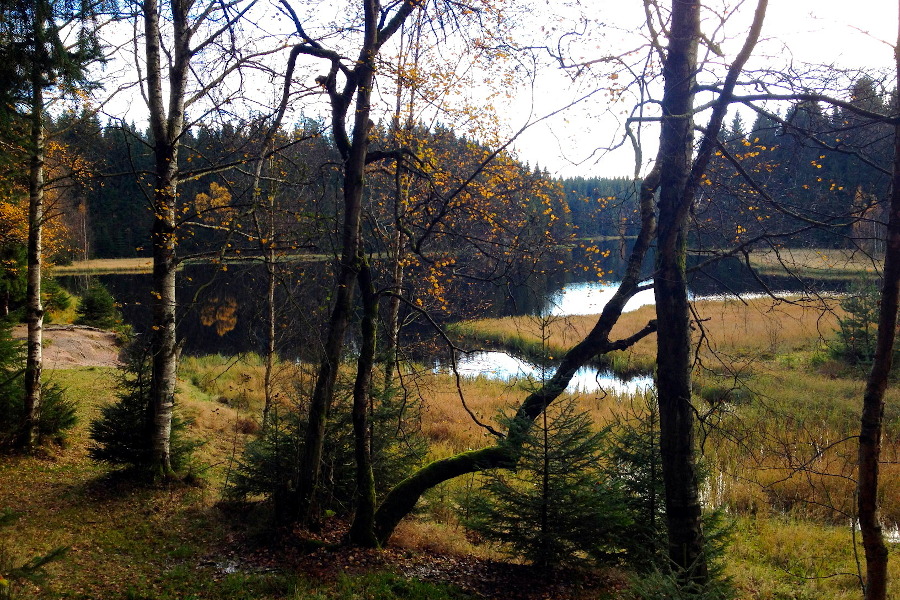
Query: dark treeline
(832, 166)
(832, 162)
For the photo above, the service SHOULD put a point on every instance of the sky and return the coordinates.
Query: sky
(857, 34)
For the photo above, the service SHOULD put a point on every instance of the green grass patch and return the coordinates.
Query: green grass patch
(779, 558)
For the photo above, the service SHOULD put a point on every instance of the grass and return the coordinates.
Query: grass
(780, 420)
(99, 266)
(127, 541)
(780, 558)
(816, 263)
(779, 446)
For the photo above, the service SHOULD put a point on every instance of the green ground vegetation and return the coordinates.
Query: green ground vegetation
(779, 415)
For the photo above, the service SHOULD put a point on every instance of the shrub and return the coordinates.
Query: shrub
(97, 308)
(661, 584)
(556, 507)
(57, 411)
(631, 456)
(122, 434)
(269, 464)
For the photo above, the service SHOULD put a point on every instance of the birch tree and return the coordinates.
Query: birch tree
(49, 44)
(176, 34)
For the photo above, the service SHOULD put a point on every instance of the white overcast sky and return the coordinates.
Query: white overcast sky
(854, 33)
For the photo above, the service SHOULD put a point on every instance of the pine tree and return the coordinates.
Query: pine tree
(555, 508)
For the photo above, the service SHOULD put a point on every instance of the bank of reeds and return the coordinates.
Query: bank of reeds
(816, 264)
(724, 330)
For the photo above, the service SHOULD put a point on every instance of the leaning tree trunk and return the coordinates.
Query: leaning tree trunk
(870, 432)
(34, 308)
(401, 500)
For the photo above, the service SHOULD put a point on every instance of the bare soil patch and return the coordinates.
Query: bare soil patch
(69, 346)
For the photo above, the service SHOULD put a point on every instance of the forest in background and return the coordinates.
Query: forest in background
(105, 210)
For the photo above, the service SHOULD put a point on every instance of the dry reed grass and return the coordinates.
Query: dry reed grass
(823, 263)
(97, 266)
(789, 558)
(744, 327)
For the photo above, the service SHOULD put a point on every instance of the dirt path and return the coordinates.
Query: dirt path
(68, 346)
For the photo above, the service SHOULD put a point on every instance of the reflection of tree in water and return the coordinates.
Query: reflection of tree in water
(225, 311)
(220, 313)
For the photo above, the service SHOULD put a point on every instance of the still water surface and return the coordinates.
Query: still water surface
(224, 312)
(579, 298)
(506, 367)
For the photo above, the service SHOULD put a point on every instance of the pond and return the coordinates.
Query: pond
(223, 309)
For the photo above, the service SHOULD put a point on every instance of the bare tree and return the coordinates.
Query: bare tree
(873, 400)
(349, 83)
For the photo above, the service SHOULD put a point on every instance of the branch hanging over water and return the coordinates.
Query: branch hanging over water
(403, 498)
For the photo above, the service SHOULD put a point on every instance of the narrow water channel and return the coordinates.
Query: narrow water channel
(582, 298)
(506, 367)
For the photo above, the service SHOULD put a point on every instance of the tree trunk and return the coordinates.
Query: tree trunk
(683, 509)
(320, 403)
(163, 342)
(362, 530)
(680, 173)
(874, 547)
(378, 28)
(166, 127)
(34, 310)
(354, 170)
(270, 334)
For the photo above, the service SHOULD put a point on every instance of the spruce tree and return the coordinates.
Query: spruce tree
(97, 308)
(556, 508)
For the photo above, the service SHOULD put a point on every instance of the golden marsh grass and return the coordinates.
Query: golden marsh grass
(98, 266)
(743, 327)
(822, 263)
